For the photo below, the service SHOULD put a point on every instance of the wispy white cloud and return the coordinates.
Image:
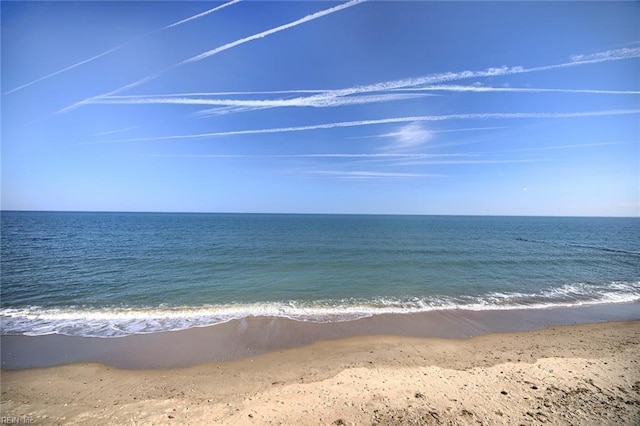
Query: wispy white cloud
(606, 55)
(475, 116)
(118, 47)
(217, 50)
(464, 129)
(410, 135)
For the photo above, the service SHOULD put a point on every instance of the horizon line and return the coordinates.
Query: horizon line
(2, 211)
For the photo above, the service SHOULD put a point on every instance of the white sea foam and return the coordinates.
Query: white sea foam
(122, 321)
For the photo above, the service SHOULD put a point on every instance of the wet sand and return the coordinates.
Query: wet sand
(579, 374)
(249, 337)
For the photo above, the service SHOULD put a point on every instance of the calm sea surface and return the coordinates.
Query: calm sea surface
(113, 274)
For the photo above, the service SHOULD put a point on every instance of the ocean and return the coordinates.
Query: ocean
(117, 274)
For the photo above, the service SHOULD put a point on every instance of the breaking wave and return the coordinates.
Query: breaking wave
(123, 321)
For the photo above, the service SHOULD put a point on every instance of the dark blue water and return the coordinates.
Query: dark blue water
(110, 274)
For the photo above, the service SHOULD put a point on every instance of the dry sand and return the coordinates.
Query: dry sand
(584, 374)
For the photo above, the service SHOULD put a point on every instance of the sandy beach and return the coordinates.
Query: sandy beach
(580, 374)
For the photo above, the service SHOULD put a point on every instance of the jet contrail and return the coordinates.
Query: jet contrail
(271, 31)
(70, 67)
(120, 46)
(323, 96)
(110, 132)
(218, 50)
(327, 155)
(261, 103)
(192, 94)
(368, 174)
(482, 89)
(200, 15)
(466, 129)
(476, 116)
(576, 60)
(451, 88)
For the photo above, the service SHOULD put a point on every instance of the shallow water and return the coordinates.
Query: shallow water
(114, 274)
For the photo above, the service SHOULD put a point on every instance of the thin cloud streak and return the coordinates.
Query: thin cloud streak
(477, 116)
(466, 129)
(452, 88)
(482, 89)
(111, 132)
(235, 105)
(120, 46)
(410, 84)
(200, 15)
(113, 92)
(464, 162)
(217, 50)
(70, 67)
(186, 95)
(271, 31)
(366, 174)
(606, 56)
(259, 103)
(305, 102)
(556, 147)
(324, 155)
(576, 60)
(225, 110)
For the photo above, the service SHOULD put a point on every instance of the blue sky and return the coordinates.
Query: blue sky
(507, 108)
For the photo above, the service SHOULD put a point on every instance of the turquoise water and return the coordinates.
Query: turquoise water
(113, 274)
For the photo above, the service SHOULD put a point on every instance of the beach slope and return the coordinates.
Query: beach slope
(581, 374)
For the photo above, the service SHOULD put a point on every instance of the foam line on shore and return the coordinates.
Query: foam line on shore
(122, 321)
(248, 337)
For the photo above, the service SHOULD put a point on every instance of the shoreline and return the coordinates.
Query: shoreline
(580, 374)
(252, 336)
